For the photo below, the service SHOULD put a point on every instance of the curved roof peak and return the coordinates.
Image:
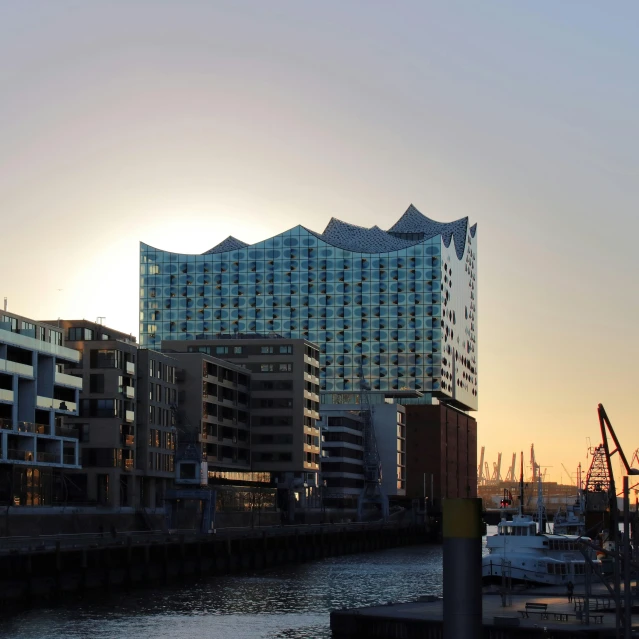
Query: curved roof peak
(229, 244)
(413, 221)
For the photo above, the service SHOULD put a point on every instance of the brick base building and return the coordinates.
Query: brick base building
(441, 459)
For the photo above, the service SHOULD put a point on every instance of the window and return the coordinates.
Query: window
(77, 334)
(237, 350)
(288, 350)
(12, 322)
(96, 383)
(285, 368)
(42, 334)
(55, 337)
(104, 358)
(152, 368)
(266, 350)
(221, 350)
(27, 327)
(266, 368)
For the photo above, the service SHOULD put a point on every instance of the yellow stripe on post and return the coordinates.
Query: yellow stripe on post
(462, 518)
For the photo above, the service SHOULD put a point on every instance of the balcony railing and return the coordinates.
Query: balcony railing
(6, 395)
(130, 368)
(67, 431)
(57, 404)
(28, 427)
(128, 440)
(129, 391)
(20, 455)
(68, 380)
(6, 424)
(127, 464)
(49, 458)
(129, 416)
(7, 366)
(34, 344)
(69, 460)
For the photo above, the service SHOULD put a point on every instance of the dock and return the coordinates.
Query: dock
(423, 619)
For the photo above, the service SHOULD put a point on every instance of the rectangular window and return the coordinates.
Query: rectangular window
(42, 334)
(96, 383)
(237, 350)
(266, 350)
(266, 368)
(221, 350)
(12, 322)
(288, 350)
(55, 337)
(285, 368)
(27, 327)
(152, 368)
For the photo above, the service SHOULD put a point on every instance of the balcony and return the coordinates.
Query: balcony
(20, 455)
(128, 440)
(127, 464)
(7, 366)
(68, 380)
(130, 368)
(6, 424)
(28, 427)
(69, 460)
(6, 395)
(57, 404)
(129, 416)
(33, 344)
(48, 458)
(129, 391)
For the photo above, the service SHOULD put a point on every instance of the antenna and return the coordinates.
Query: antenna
(5, 303)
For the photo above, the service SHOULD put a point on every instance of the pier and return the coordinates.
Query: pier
(550, 615)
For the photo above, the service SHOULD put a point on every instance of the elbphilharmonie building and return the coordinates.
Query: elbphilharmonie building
(390, 310)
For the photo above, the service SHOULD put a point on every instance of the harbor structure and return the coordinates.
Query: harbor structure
(35, 395)
(389, 310)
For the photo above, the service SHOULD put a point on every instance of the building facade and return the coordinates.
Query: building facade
(106, 423)
(343, 419)
(282, 402)
(35, 396)
(155, 437)
(441, 454)
(390, 310)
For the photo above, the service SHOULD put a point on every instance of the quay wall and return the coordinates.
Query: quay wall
(32, 573)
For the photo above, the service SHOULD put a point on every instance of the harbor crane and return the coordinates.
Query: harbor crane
(510, 475)
(480, 469)
(497, 469)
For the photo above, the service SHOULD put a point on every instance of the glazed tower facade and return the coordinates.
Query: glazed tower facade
(389, 310)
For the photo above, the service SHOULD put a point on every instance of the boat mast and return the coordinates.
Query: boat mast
(521, 485)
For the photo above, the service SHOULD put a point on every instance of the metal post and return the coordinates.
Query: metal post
(627, 592)
(462, 569)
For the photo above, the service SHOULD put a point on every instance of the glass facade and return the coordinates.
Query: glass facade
(388, 320)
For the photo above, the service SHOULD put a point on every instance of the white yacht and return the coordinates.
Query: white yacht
(521, 553)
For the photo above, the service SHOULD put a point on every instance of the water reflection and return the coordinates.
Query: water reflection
(290, 602)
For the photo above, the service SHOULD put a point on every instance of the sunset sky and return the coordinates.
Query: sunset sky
(179, 123)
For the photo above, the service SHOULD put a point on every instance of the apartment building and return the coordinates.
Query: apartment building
(156, 434)
(107, 417)
(35, 396)
(284, 402)
(343, 421)
(212, 419)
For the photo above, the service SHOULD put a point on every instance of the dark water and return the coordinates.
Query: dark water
(291, 602)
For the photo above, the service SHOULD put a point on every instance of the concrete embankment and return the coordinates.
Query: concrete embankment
(46, 567)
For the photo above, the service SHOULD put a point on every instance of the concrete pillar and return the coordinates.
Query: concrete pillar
(462, 568)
